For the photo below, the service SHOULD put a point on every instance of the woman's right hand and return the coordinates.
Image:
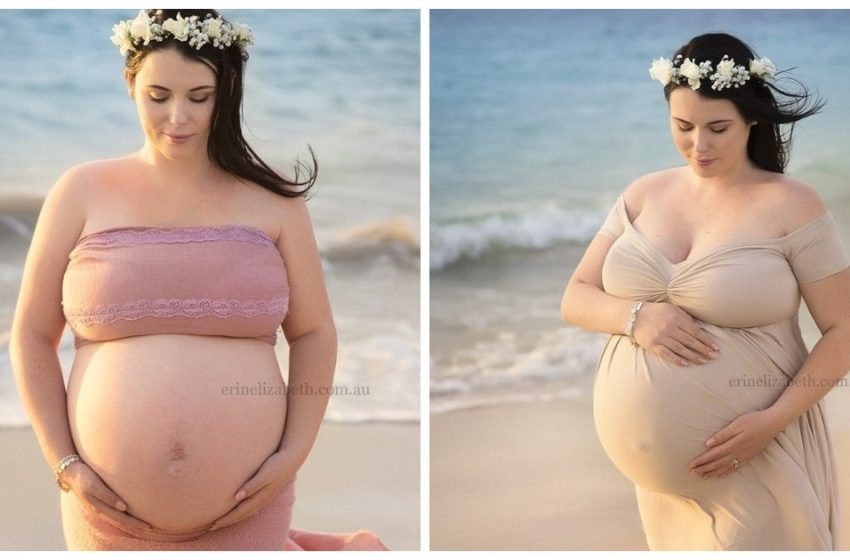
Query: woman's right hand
(672, 334)
(91, 490)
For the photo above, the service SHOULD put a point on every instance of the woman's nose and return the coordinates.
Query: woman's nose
(701, 141)
(179, 113)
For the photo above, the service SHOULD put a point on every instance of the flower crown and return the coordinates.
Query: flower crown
(727, 75)
(130, 34)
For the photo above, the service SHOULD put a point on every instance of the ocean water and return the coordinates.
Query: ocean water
(539, 119)
(346, 82)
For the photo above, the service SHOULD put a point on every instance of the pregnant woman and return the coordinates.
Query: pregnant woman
(174, 267)
(705, 395)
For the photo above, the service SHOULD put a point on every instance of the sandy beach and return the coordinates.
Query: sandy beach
(533, 476)
(359, 475)
(527, 476)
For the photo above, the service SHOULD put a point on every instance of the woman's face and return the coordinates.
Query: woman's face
(711, 134)
(175, 99)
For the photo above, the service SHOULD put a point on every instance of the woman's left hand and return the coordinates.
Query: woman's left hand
(740, 441)
(275, 473)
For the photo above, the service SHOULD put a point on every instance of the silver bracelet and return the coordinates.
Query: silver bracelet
(63, 464)
(630, 324)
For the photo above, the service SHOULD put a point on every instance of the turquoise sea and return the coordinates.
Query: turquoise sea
(539, 119)
(346, 82)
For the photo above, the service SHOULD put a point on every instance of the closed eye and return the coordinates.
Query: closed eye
(716, 131)
(164, 99)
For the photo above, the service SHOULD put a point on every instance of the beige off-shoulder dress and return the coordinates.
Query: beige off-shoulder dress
(653, 417)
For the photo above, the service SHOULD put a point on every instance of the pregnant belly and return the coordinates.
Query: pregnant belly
(653, 417)
(175, 424)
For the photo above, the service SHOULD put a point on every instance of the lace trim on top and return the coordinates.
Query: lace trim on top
(173, 307)
(140, 235)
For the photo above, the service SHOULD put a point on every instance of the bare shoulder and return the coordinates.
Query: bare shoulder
(275, 213)
(290, 208)
(793, 201)
(649, 186)
(97, 170)
(66, 208)
(86, 179)
(296, 241)
(70, 196)
(74, 180)
(291, 220)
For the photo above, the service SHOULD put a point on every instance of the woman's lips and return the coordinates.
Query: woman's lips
(178, 138)
(705, 162)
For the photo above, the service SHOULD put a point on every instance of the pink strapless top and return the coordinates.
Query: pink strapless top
(202, 280)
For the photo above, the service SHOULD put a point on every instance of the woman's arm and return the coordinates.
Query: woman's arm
(310, 331)
(585, 303)
(36, 332)
(661, 328)
(828, 301)
(38, 322)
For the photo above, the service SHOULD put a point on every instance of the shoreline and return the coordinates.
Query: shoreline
(328, 498)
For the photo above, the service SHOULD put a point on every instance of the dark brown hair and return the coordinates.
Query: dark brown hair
(757, 100)
(226, 145)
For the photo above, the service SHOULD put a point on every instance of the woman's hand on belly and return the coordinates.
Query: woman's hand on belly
(672, 334)
(164, 422)
(273, 475)
(740, 441)
(92, 491)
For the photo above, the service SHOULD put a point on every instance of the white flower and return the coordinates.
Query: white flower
(243, 33)
(128, 35)
(199, 40)
(762, 68)
(691, 71)
(212, 28)
(140, 28)
(178, 27)
(121, 37)
(661, 70)
(725, 68)
(728, 74)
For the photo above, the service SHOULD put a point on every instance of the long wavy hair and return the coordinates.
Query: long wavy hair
(763, 101)
(226, 145)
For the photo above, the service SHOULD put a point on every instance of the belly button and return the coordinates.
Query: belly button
(177, 460)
